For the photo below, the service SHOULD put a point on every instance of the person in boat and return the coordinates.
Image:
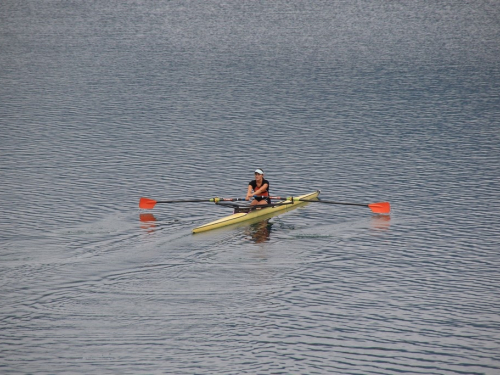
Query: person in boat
(258, 188)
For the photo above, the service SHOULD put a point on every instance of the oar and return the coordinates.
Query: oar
(378, 208)
(148, 203)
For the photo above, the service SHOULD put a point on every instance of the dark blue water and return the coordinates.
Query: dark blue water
(104, 102)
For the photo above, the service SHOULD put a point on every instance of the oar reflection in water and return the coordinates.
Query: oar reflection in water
(380, 222)
(148, 222)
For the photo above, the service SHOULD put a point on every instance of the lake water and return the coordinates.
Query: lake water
(103, 102)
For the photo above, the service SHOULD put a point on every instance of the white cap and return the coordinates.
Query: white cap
(259, 171)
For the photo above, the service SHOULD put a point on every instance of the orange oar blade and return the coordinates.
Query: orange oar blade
(147, 203)
(380, 207)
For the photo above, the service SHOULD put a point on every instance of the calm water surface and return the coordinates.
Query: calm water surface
(105, 102)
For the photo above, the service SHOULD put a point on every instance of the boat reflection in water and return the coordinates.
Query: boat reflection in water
(259, 232)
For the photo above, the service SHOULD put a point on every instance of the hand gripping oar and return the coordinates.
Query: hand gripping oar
(149, 204)
(378, 208)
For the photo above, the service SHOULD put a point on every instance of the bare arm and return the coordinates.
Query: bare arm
(260, 190)
(249, 193)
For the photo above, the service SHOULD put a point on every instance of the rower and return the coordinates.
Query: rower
(259, 189)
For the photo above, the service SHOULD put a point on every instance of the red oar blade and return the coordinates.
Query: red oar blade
(146, 203)
(380, 207)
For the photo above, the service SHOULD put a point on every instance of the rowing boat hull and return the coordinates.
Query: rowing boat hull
(255, 214)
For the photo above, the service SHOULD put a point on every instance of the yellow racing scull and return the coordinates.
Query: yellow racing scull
(240, 217)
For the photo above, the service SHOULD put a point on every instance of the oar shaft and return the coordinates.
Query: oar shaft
(185, 201)
(332, 202)
(215, 200)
